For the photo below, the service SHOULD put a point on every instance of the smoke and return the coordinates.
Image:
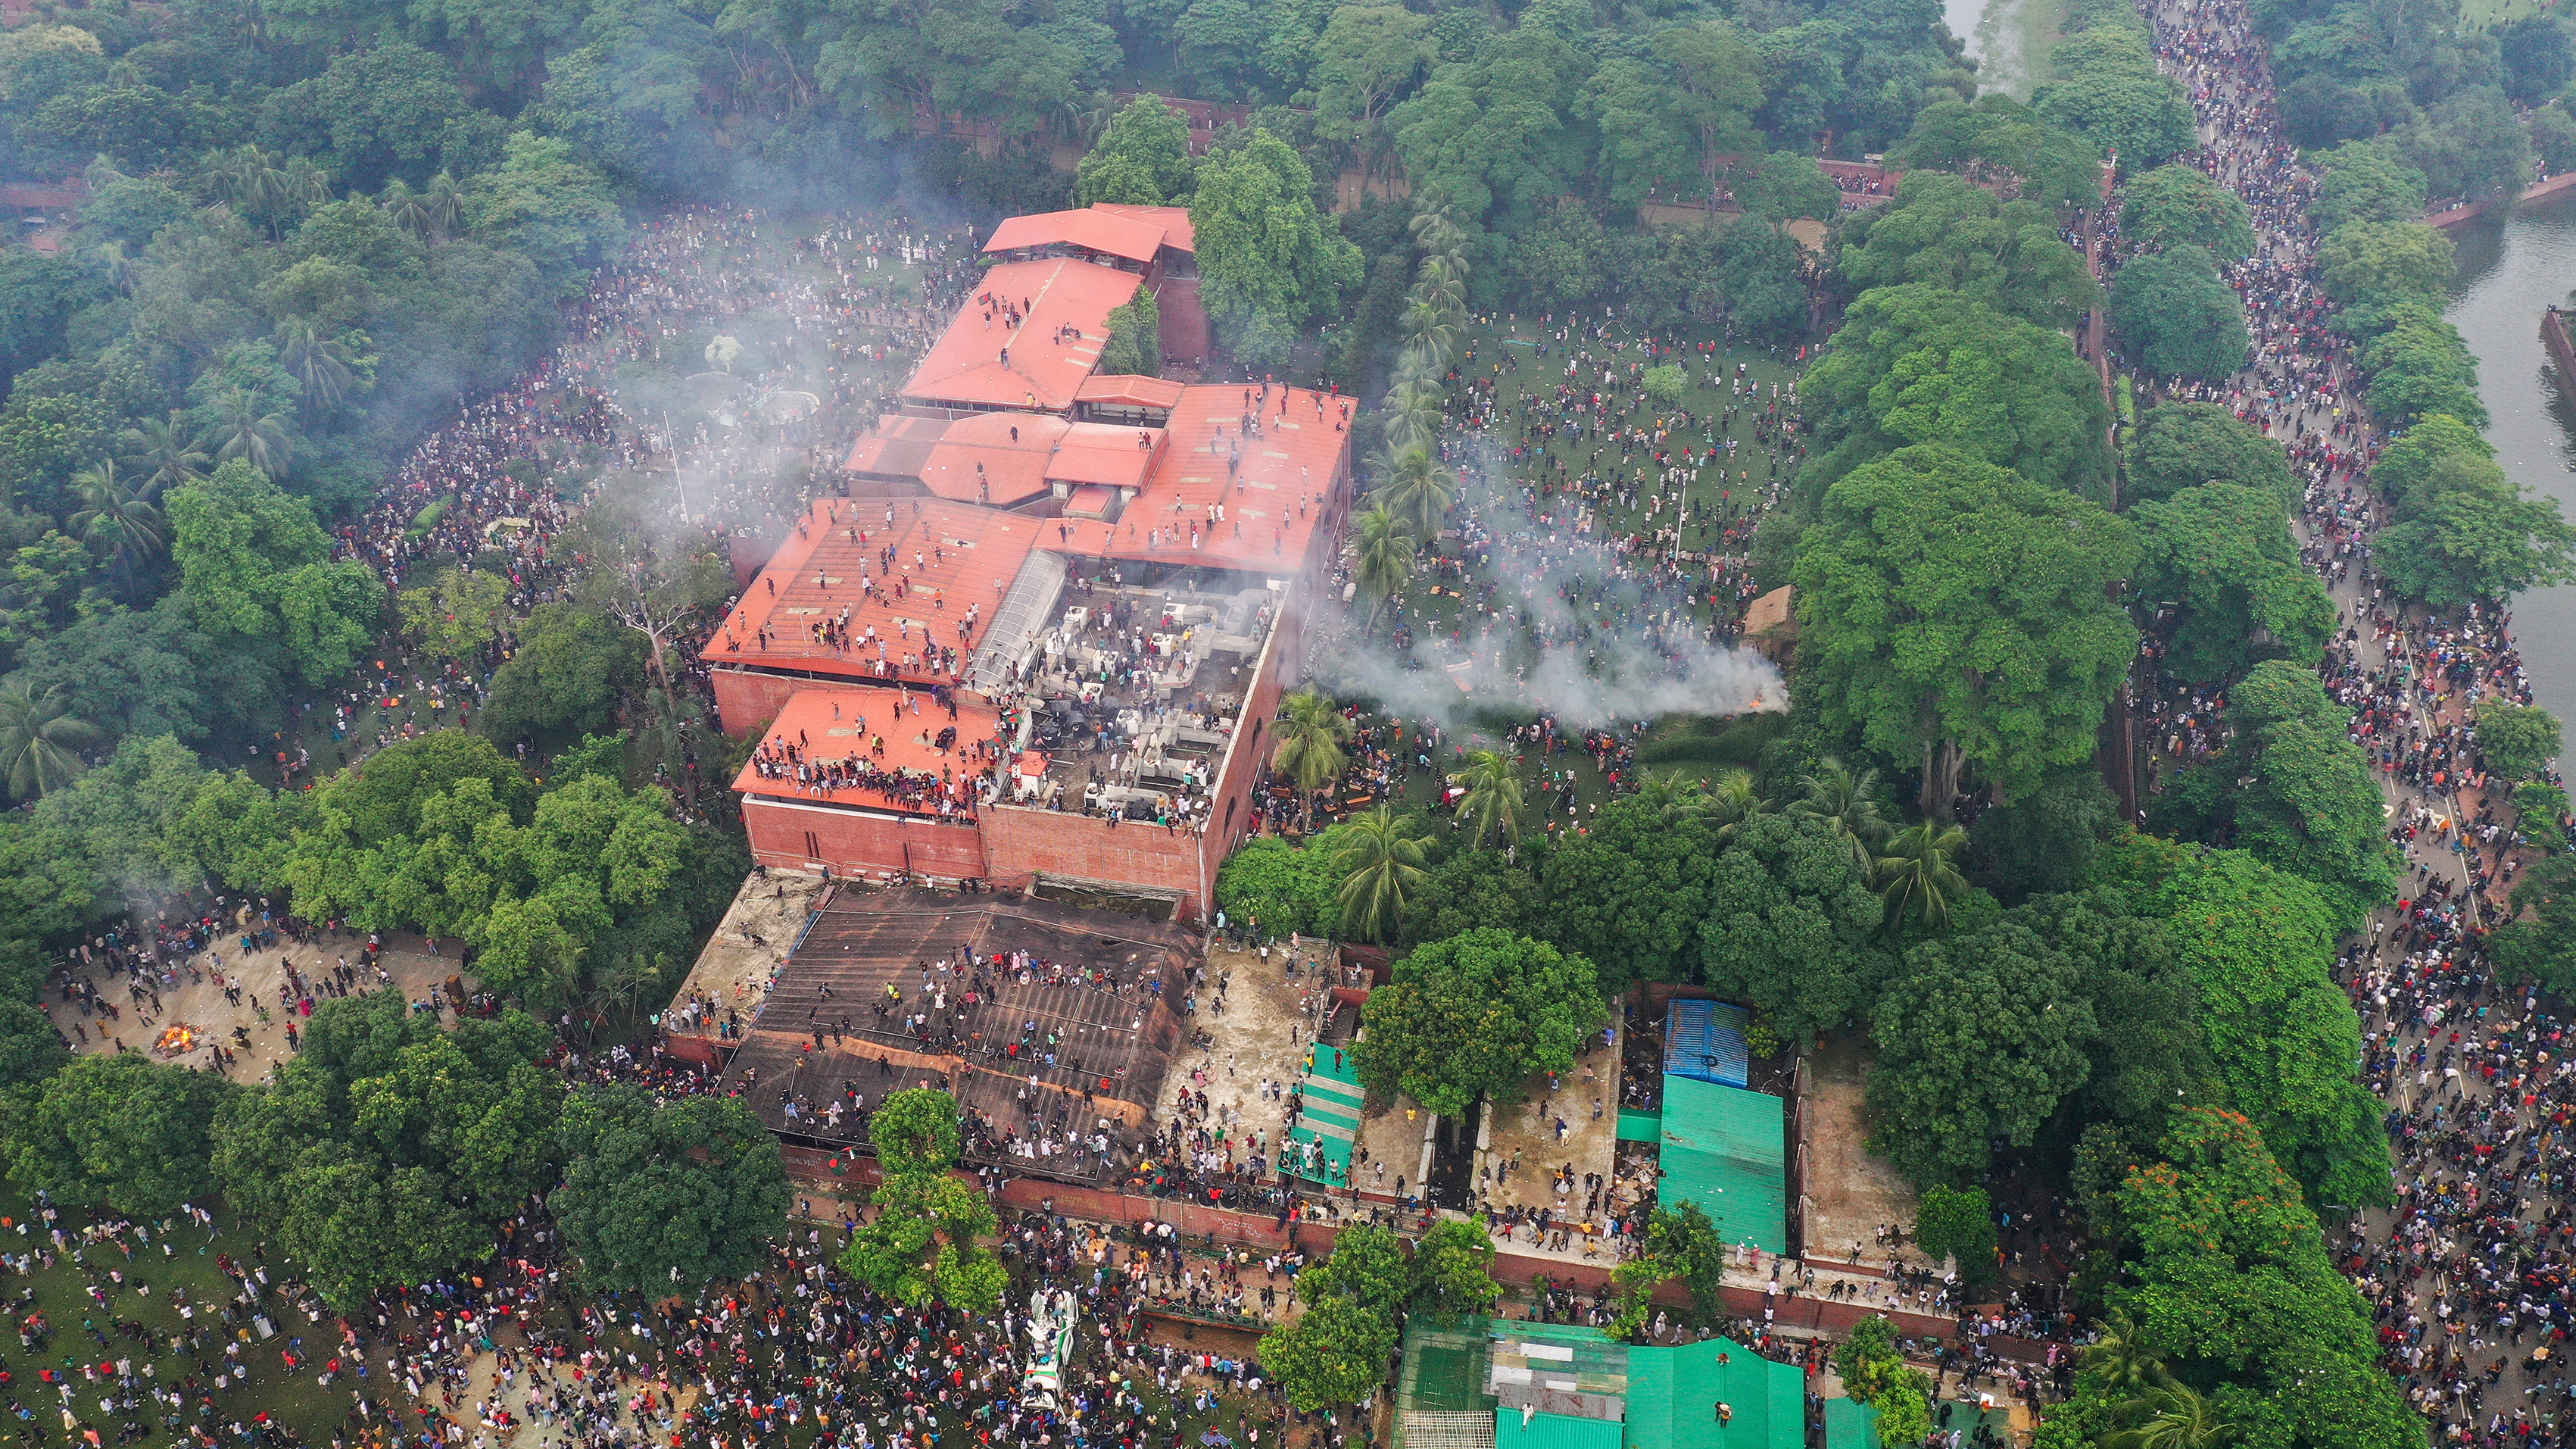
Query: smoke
(1577, 631)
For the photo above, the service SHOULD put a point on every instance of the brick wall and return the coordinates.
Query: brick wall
(747, 701)
(1021, 842)
(853, 842)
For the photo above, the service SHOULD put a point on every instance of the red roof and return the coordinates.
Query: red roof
(1128, 387)
(951, 560)
(831, 724)
(980, 460)
(965, 368)
(1272, 497)
(1106, 454)
(1094, 229)
(1178, 234)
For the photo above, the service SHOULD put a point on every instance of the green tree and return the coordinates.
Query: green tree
(1476, 1015)
(1682, 1241)
(924, 1240)
(1310, 734)
(2222, 555)
(2180, 314)
(1268, 262)
(545, 204)
(2516, 740)
(1333, 1355)
(1789, 923)
(658, 1196)
(256, 568)
(457, 614)
(121, 1131)
(1957, 1222)
(390, 1151)
(1452, 1271)
(2465, 531)
(1980, 1037)
(1785, 186)
(2539, 943)
(2177, 205)
(31, 1046)
(1918, 364)
(2258, 945)
(2367, 181)
(2180, 445)
(2234, 1285)
(1384, 550)
(1954, 612)
(1946, 232)
(1142, 158)
(564, 675)
(1366, 1266)
(1135, 345)
(1365, 59)
(2382, 263)
(2114, 95)
(1416, 487)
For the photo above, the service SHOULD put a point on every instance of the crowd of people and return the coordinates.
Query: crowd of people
(2467, 1274)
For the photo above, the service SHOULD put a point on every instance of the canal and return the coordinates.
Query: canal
(2510, 268)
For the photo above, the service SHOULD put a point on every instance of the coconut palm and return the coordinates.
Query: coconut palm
(1916, 879)
(316, 359)
(39, 740)
(167, 450)
(2122, 1357)
(1311, 731)
(1674, 796)
(1415, 488)
(1432, 334)
(123, 272)
(1383, 550)
(1382, 868)
(446, 202)
(1443, 286)
(245, 428)
(406, 208)
(1842, 799)
(249, 178)
(1438, 226)
(1412, 411)
(1493, 798)
(115, 519)
(1732, 802)
(2171, 1416)
(301, 186)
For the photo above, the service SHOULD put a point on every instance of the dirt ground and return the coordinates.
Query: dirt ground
(735, 968)
(197, 1000)
(1849, 1194)
(1524, 1132)
(1259, 1027)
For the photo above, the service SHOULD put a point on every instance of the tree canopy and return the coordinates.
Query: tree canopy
(1476, 1015)
(659, 1195)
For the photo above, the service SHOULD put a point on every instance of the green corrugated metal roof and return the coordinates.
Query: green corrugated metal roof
(1673, 1394)
(1641, 1126)
(1552, 1431)
(1726, 1149)
(1850, 1424)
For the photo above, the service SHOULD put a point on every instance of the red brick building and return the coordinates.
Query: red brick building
(1039, 639)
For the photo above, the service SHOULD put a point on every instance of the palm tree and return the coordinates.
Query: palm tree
(301, 186)
(1438, 226)
(2174, 1417)
(115, 519)
(1412, 411)
(1443, 286)
(248, 177)
(1916, 879)
(1432, 334)
(1674, 795)
(1383, 554)
(1311, 731)
(1384, 866)
(1493, 798)
(1843, 800)
(1418, 490)
(2123, 1357)
(38, 740)
(317, 360)
(123, 272)
(165, 446)
(446, 202)
(1733, 802)
(406, 208)
(246, 430)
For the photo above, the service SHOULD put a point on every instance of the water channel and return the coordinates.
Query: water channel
(2510, 268)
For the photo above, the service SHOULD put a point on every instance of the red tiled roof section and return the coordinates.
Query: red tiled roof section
(810, 723)
(1014, 468)
(896, 445)
(1106, 454)
(1178, 234)
(1290, 463)
(966, 367)
(1128, 387)
(1094, 228)
(950, 559)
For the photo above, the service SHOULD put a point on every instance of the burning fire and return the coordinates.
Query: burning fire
(176, 1040)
